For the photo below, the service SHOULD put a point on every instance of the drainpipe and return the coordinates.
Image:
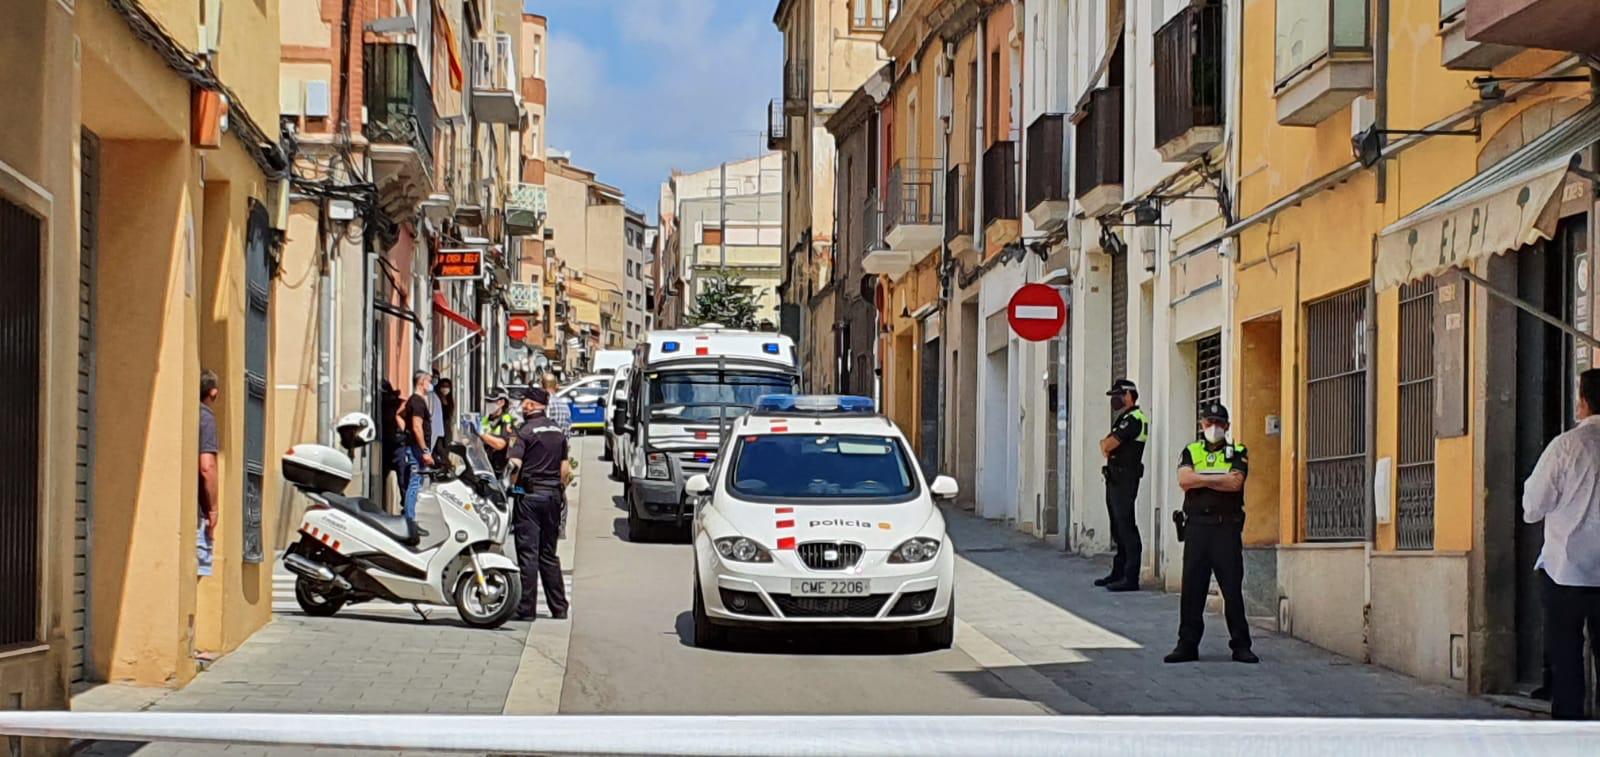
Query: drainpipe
(1380, 72)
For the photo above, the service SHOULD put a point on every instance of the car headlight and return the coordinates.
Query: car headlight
(740, 549)
(915, 550)
(655, 466)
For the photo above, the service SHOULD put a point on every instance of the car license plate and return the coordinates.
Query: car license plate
(828, 587)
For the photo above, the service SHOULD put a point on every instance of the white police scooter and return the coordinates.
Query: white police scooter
(350, 550)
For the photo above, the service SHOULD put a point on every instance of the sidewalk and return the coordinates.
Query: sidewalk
(1105, 649)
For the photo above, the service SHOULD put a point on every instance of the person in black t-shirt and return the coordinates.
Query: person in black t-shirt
(1211, 473)
(415, 454)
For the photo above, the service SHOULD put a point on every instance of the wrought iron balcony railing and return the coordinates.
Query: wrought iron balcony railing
(398, 97)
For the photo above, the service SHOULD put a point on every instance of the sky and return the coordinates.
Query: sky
(640, 87)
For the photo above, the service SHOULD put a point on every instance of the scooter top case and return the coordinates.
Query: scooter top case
(318, 468)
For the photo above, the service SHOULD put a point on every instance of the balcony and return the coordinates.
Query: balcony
(959, 205)
(1001, 222)
(1323, 58)
(796, 90)
(526, 208)
(913, 207)
(1551, 24)
(879, 259)
(1048, 195)
(1461, 54)
(777, 126)
(1189, 56)
(523, 298)
(1098, 153)
(400, 123)
(494, 82)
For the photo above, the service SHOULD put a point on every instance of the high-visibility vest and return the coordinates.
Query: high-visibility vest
(1144, 423)
(1208, 460)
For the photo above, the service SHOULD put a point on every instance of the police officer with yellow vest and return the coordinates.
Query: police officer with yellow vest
(1123, 449)
(1212, 473)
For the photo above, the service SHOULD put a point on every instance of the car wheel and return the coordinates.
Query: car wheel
(639, 531)
(707, 635)
(316, 600)
(941, 636)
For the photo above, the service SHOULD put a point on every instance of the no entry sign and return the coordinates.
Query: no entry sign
(517, 329)
(1036, 312)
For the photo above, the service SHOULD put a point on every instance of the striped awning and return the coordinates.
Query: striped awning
(1515, 202)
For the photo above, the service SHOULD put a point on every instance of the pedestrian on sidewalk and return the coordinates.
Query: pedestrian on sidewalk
(538, 464)
(394, 436)
(1211, 473)
(416, 455)
(210, 445)
(1564, 492)
(1123, 450)
(444, 409)
(561, 413)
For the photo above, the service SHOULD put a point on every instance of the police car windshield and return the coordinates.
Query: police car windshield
(850, 468)
(711, 395)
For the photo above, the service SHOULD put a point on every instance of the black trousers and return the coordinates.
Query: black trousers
(537, 527)
(1210, 547)
(1121, 491)
(1567, 609)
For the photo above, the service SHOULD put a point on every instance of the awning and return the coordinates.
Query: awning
(1514, 203)
(442, 307)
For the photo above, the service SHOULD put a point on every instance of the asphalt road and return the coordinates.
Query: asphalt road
(629, 651)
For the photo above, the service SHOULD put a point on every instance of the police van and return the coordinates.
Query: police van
(684, 390)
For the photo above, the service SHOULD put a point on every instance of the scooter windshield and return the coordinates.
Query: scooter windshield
(477, 457)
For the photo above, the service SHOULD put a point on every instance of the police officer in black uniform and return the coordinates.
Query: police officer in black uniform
(1212, 473)
(1123, 449)
(538, 464)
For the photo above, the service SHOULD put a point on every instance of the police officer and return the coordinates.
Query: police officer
(1211, 473)
(1123, 450)
(538, 464)
(499, 429)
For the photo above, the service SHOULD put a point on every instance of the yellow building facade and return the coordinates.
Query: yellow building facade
(155, 239)
(1389, 521)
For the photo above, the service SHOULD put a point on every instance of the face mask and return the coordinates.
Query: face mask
(1116, 404)
(1215, 434)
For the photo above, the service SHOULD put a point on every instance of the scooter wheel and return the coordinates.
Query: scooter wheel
(315, 600)
(480, 611)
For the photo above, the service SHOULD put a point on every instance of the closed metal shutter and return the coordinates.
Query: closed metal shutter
(258, 281)
(21, 235)
(1414, 463)
(932, 406)
(1119, 315)
(83, 505)
(1336, 409)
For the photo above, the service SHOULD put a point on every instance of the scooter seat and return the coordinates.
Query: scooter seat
(371, 513)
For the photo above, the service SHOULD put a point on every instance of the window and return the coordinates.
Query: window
(822, 466)
(710, 395)
(538, 56)
(1414, 471)
(869, 14)
(533, 136)
(1336, 387)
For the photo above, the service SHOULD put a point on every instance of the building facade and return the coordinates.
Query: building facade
(117, 149)
(830, 47)
(692, 234)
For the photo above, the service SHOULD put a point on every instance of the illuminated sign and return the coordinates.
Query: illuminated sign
(458, 264)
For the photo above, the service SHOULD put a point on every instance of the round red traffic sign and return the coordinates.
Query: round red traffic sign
(1036, 312)
(517, 329)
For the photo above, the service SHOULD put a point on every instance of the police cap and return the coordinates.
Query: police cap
(536, 394)
(1122, 386)
(496, 394)
(1214, 411)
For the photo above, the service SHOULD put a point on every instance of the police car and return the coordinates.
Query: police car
(816, 515)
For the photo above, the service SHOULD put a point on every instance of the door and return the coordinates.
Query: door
(258, 283)
(1544, 409)
(83, 504)
(21, 242)
(932, 408)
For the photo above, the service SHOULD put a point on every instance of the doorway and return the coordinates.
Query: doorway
(1544, 400)
(932, 414)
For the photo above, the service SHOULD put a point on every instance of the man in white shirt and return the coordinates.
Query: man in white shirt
(1564, 492)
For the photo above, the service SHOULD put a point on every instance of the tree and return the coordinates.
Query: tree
(725, 299)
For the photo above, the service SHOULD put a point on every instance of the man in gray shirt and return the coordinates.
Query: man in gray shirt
(209, 446)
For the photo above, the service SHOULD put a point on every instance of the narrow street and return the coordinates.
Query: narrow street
(1034, 638)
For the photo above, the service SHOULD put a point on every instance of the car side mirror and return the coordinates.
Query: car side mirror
(697, 485)
(944, 487)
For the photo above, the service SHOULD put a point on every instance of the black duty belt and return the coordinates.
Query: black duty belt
(1213, 519)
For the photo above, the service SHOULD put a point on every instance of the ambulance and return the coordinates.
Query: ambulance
(685, 389)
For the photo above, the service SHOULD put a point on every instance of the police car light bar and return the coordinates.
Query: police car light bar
(814, 403)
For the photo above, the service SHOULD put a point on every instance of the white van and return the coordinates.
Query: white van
(608, 361)
(686, 387)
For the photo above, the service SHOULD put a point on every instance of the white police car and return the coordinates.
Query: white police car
(817, 515)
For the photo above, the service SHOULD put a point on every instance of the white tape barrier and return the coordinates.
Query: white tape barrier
(923, 736)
